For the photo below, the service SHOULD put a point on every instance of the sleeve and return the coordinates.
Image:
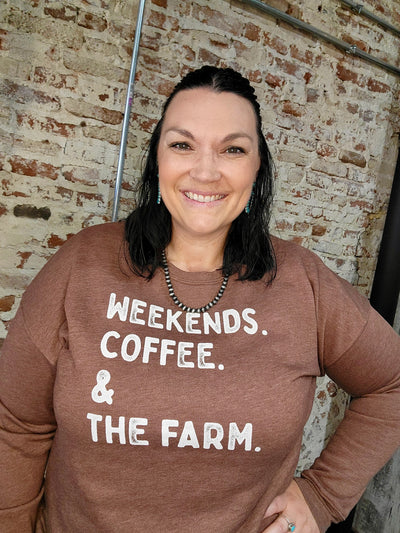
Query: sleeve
(28, 365)
(361, 352)
(27, 426)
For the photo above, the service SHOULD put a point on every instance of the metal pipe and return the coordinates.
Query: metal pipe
(386, 285)
(127, 112)
(359, 8)
(349, 48)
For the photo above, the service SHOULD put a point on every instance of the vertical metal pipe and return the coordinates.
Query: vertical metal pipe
(127, 112)
(386, 285)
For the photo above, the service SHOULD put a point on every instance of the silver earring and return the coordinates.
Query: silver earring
(158, 195)
(250, 202)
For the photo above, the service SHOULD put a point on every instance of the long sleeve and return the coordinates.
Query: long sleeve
(368, 368)
(27, 427)
(28, 365)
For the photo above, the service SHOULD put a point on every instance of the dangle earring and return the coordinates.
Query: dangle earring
(158, 193)
(250, 202)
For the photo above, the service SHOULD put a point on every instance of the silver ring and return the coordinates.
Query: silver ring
(291, 526)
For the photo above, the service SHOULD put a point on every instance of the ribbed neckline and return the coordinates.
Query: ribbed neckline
(194, 278)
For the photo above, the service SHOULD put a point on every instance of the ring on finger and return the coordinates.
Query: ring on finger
(290, 524)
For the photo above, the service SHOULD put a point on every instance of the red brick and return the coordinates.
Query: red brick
(347, 156)
(55, 79)
(55, 241)
(287, 66)
(352, 108)
(273, 81)
(363, 205)
(156, 19)
(345, 74)
(312, 95)
(91, 21)
(305, 56)
(301, 226)
(254, 76)
(144, 123)
(292, 109)
(361, 45)
(3, 40)
(208, 57)
(85, 110)
(276, 43)
(158, 64)
(9, 189)
(216, 19)
(24, 95)
(24, 258)
(32, 167)
(377, 86)
(6, 303)
(252, 32)
(87, 176)
(61, 12)
(91, 196)
(151, 42)
(47, 124)
(189, 53)
(326, 150)
(283, 225)
(218, 43)
(318, 230)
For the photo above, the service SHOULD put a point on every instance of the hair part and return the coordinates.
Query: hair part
(248, 248)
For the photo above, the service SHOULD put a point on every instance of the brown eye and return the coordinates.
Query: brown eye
(180, 146)
(235, 150)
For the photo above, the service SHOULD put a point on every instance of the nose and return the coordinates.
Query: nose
(205, 167)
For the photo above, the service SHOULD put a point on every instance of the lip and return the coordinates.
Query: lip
(203, 198)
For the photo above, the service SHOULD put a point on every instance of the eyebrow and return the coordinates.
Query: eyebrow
(228, 138)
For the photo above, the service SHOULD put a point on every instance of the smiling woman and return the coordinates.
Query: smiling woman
(160, 370)
(208, 162)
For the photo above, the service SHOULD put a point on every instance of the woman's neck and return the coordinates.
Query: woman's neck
(195, 256)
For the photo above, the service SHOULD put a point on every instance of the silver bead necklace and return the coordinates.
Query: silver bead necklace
(176, 299)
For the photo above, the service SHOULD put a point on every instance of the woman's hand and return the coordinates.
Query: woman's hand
(292, 510)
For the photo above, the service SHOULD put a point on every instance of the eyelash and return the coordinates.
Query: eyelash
(235, 150)
(180, 146)
(185, 146)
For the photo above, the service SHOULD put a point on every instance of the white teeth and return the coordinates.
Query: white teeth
(203, 199)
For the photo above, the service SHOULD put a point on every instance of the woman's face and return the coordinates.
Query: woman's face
(208, 161)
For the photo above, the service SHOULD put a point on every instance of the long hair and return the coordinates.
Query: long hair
(248, 249)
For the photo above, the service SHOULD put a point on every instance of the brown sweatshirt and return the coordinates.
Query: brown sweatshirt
(163, 421)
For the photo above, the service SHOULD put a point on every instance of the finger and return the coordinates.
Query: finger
(277, 505)
(281, 525)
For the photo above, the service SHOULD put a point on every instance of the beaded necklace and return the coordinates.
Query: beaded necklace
(176, 299)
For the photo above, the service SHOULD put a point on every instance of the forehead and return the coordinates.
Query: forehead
(204, 107)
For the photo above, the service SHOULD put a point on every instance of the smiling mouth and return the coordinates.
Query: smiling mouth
(204, 198)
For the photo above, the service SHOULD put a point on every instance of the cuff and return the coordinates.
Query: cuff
(315, 503)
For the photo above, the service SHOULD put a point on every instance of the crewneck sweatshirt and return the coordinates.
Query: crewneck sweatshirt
(120, 412)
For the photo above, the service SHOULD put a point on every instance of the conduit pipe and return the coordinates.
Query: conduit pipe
(127, 112)
(386, 285)
(349, 48)
(359, 8)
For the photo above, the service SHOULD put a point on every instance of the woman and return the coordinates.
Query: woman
(168, 363)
